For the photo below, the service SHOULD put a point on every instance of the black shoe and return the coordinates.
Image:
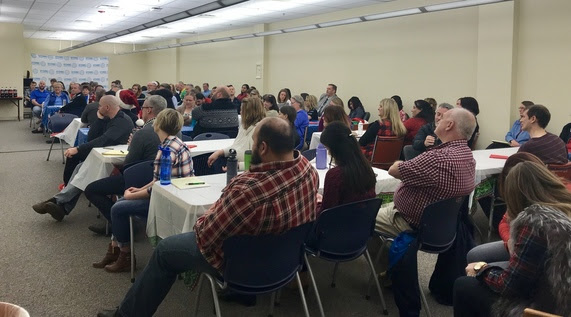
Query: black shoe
(41, 208)
(54, 141)
(56, 211)
(37, 131)
(109, 313)
(230, 296)
(100, 230)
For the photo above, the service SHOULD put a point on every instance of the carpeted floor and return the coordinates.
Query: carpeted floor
(45, 266)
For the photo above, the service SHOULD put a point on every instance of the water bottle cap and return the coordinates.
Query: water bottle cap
(232, 152)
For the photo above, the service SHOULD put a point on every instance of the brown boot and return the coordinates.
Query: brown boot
(110, 257)
(123, 263)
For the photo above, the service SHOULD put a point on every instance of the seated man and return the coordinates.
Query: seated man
(515, 136)
(37, 98)
(89, 114)
(547, 146)
(425, 137)
(565, 135)
(219, 116)
(288, 184)
(78, 100)
(116, 131)
(442, 172)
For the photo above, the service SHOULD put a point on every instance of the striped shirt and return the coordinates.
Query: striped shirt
(271, 198)
(549, 148)
(180, 158)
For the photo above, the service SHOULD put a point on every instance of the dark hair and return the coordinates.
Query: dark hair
(426, 110)
(470, 104)
(271, 99)
(304, 95)
(247, 86)
(512, 161)
(85, 87)
(398, 100)
(278, 138)
(288, 95)
(356, 103)
(165, 93)
(334, 87)
(358, 176)
(335, 114)
(527, 104)
(290, 112)
(541, 113)
(199, 95)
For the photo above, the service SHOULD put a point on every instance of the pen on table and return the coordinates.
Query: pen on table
(108, 148)
(122, 151)
(195, 183)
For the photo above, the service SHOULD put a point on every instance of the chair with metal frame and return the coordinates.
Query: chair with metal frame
(259, 265)
(58, 123)
(386, 151)
(210, 136)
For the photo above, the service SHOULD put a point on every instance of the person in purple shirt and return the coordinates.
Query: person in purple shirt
(547, 146)
(301, 121)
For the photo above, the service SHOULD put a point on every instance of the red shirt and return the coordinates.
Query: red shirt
(336, 193)
(412, 126)
(442, 172)
(271, 198)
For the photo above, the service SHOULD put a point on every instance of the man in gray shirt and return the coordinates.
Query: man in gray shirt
(325, 99)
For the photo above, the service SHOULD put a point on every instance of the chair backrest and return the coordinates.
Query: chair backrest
(60, 121)
(439, 224)
(201, 168)
(11, 310)
(367, 116)
(561, 170)
(528, 312)
(186, 138)
(210, 136)
(309, 154)
(261, 264)
(409, 152)
(342, 232)
(473, 147)
(139, 174)
(386, 151)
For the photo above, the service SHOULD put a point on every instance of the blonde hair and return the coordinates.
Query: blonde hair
(391, 113)
(310, 102)
(170, 121)
(337, 101)
(252, 111)
(530, 183)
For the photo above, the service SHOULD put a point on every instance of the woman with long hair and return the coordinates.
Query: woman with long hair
(284, 98)
(471, 104)
(538, 273)
(310, 105)
(422, 113)
(352, 178)
(270, 105)
(389, 124)
(188, 104)
(289, 114)
(252, 112)
(335, 102)
(136, 89)
(356, 109)
(335, 114)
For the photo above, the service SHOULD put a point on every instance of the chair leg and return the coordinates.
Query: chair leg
(491, 220)
(107, 230)
(131, 236)
(377, 259)
(334, 273)
(314, 285)
(50, 152)
(302, 294)
(368, 256)
(272, 302)
(214, 295)
(62, 157)
(424, 302)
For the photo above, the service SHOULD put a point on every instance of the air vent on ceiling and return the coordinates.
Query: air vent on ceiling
(155, 9)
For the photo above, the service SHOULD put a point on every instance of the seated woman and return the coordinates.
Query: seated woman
(471, 104)
(188, 104)
(335, 114)
(538, 274)
(252, 112)
(422, 113)
(356, 110)
(289, 114)
(388, 125)
(270, 105)
(566, 137)
(402, 114)
(311, 107)
(284, 97)
(352, 178)
(135, 201)
(55, 98)
(335, 101)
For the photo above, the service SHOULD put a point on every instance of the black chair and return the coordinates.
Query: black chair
(210, 136)
(367, 116)
(137, 175)
(260, 265)
(201, 168)
(409, 152)
(309, 154)
(58, 123)
(341, 234)
(186, 138)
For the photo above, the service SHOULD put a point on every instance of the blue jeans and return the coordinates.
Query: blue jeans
(37, 111)
(173, 255)
(120, 213)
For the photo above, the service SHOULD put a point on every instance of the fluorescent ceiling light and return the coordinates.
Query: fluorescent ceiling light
(203, 42)
(458, 4)
(392, 14)
(301, 28)
(176, 17)
(243, 36)
(340, 22)
(268, 33)
(222, 39)
(205, 8)
(175, 45)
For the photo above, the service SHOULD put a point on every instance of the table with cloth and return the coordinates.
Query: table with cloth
(69, 135)
(47, 112)
(488, 168)
(317, 135)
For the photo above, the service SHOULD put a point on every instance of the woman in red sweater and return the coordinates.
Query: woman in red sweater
(422, 113)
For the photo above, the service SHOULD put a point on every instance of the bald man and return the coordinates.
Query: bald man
(278, 176)
(219, 116)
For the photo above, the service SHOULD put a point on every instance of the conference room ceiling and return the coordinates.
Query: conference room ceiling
(85, 20)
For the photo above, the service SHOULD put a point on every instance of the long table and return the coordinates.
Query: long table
(317, 135)
(69, 135)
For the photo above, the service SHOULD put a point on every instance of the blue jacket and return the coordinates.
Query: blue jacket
(517, 134)
(51, 99)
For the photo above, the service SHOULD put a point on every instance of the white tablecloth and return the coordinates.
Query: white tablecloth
(70, 133)
(486, 166)
(316, 135)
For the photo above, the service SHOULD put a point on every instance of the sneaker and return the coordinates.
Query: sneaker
(41, 208)
(37, 131)
(100, 230)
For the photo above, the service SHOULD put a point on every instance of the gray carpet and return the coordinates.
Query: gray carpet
(45, 266)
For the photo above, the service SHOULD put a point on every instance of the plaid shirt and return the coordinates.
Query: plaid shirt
(442, 172)
(180, 158)
(271, 198)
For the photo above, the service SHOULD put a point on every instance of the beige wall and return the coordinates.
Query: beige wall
(11, 62)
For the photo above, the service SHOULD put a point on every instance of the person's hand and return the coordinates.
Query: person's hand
(99, 115)
(130, 138)
(319, 198)
(212, 158)
(470, 269)
(514, 143)
(429, 141)
(130, 192)
(70, 152)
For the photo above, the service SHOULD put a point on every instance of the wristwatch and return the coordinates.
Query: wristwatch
(479, 266)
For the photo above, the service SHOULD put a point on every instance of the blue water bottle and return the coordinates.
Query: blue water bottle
(321, 157)
(166, 165)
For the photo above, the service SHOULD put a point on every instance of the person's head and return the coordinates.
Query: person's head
(189, 88)
(169, 121)
(331, 90)
(296, 102)
(388, 110)
(58, 88)
(232, 90)
(456, 124)
(99, 93)
(288, 113)
(33, 85)
(166, 86)
(189, 101)
(165, 93)
(244, 88)
(52, 81)
(512, 161)
(422, 109)
(199, 99)
(470, 104)
(358, 175)
(283, 96)
(530, 183)
(442, 108)
(310, 102)
(205, 86)
(398, 100)
(252, 111)
(85, 90)
(152, 106)
(109, 105)
(136, 89)
(197, 89)
(536, 117)
(222, 92)
(273, 140)
(270, 102)
(74, 89)
(152, 85)
(254, 93)
(354, 103)
(128, 98)
(304, 95)
(336, 101)
(526, 104)
(42, 85)
(432, 102)
(335, 114)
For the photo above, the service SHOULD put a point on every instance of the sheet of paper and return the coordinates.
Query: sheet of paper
(189, 182)
(115, 153)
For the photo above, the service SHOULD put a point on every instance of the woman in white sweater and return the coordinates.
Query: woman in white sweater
(252, 111)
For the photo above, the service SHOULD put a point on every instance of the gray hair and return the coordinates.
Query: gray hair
(99, 93)
(157, 102)
(465, 122)
(446, 106)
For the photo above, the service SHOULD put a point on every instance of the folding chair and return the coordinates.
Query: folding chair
(386, 151)
(210, 136)
(58, 123)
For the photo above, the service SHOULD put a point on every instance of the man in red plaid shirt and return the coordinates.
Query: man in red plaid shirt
(277, 194)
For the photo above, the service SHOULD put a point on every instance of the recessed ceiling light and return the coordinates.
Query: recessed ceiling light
(107, 6)
(155, 9)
